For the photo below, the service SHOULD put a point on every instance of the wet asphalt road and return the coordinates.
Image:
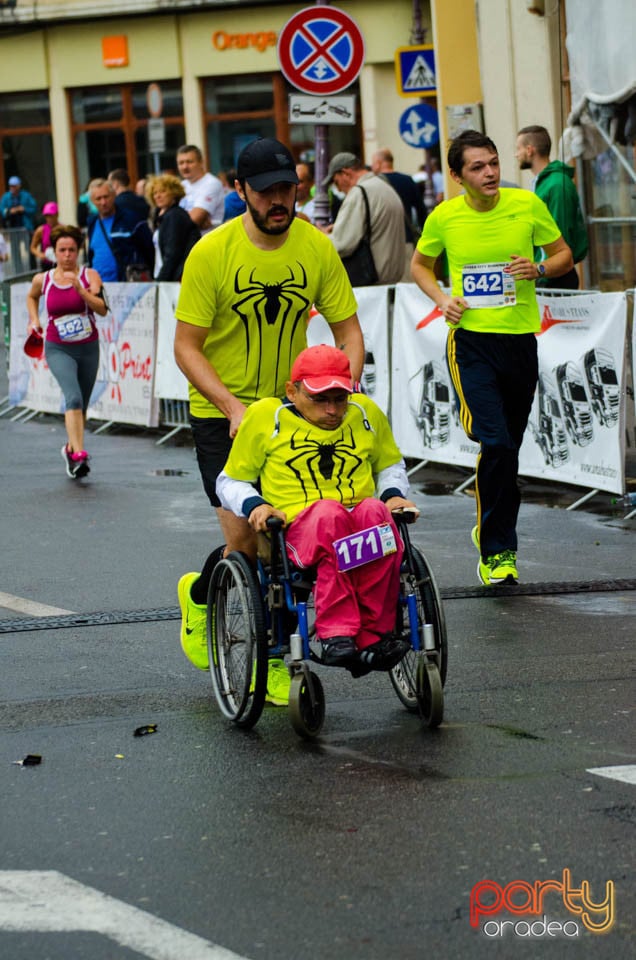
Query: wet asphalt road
(366, 844)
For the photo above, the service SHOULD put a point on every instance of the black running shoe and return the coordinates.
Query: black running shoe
(385, 654)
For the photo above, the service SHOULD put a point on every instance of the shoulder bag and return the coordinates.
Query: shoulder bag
(359, 264)
(133, 272)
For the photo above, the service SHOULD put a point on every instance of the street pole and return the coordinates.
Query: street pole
(418, 36)
(321, 163)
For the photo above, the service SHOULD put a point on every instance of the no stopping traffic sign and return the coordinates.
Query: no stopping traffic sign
(321, 50)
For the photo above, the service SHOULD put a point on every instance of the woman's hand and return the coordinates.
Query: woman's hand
(72, 278)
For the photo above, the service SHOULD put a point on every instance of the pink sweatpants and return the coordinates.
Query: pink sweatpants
(359, 603)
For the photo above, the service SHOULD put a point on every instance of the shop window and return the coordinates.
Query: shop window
(238, 94)
(239, 109)
(27, 150)
(110, 129)
(611, 209)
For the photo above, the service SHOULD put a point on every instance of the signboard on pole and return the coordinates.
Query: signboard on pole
(419, 126)
(156, 135)
(415, 71)
(321, 50)
(330, 110)
(154, 99)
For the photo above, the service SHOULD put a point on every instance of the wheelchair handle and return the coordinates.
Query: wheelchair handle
(274, 524)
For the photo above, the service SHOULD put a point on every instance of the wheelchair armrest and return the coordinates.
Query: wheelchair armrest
(405, 515)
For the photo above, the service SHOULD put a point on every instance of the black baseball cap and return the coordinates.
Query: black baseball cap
(264, 162)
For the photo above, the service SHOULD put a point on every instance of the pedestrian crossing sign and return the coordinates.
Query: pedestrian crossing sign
(415, 71)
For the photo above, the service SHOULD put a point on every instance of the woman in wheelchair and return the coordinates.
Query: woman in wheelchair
(315, 460)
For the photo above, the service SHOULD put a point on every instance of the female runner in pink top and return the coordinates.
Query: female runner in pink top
(71, 296)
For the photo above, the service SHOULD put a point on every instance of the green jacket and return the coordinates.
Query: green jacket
(555, 186)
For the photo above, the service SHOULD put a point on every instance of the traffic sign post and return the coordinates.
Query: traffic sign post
(419, 126)
(156, 124)
(321, 52)
(415, 71)
(326, 110)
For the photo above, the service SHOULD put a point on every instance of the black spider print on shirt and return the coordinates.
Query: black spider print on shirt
(312, 460)
(282, 302)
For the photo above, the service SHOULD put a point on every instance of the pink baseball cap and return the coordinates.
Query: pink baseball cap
(50, 209)
(322, 368)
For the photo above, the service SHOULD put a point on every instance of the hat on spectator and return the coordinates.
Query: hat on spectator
(14, 181)
(338, 163)
(322, 368)
(50, 209)
(265, 162)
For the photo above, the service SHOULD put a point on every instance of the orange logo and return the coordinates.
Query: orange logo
(488, 898)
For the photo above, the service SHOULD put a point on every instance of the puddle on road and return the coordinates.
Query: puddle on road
(620, 605)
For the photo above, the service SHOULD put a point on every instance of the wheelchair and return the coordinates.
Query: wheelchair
(253, 615)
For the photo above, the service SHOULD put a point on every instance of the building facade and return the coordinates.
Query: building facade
(75, 101)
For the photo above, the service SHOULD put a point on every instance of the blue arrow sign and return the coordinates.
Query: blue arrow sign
(419, 126)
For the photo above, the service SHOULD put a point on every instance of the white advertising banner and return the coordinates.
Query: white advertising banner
(373, 313)
(31, 384)
(423, 412)
(124, 387)
(170, 384)
(124, 391)
(575, 432)
(576, 428)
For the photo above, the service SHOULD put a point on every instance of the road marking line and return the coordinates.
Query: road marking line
(46, 901)
(627, 774)
(30, 607)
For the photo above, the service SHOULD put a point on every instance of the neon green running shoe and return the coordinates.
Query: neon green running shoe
(194, 634)
(474, 536)
(501, 568)
(278, 683)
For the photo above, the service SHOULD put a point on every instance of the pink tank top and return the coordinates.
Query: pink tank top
(70, 320)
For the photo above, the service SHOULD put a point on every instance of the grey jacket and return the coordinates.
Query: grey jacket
(387, 226)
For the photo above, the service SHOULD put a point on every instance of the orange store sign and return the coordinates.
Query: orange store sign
(241, 41)
(115, 51)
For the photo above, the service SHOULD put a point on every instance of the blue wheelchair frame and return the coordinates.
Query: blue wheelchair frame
(418, 679)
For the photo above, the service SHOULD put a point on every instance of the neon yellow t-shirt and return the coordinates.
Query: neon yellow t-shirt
(299, 463)
(256, 305)
(519, 222)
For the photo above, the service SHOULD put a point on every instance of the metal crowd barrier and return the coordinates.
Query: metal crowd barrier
(173, 413)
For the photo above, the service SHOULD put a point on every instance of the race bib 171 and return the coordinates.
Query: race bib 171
(364, 546)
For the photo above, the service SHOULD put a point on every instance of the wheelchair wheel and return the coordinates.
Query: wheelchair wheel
(237, 640)
(420, 580)
(430, 693)
(306, 704)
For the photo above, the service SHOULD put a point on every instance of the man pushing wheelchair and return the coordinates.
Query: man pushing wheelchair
(324, 461)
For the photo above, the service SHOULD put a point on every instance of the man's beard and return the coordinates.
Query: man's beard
(525, 165)
(261, 222)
